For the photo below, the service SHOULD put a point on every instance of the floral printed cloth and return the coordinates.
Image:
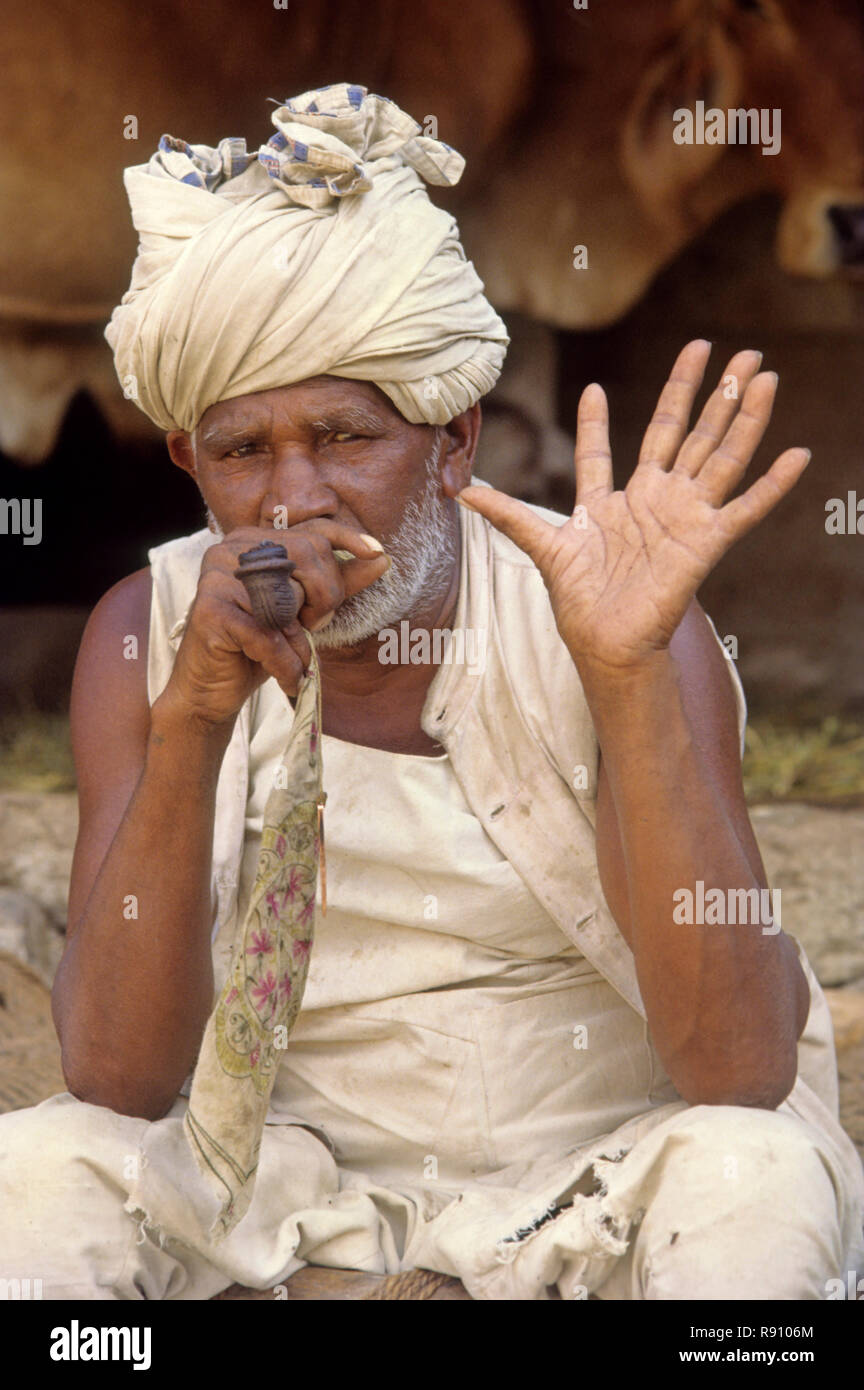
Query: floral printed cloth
(249, 1027)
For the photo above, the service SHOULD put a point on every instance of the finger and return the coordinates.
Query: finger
(340, 536)
(335, 581)
(370, 563)
(592, 455)
(668, 426)
(297, 637)
(322, 581)
(283, 657)
(359, 574)
(522, 526)
(323, 536)
(227, 590)
(728, 463)
(320, 575)
(744, 512)
(718, 412)
(327, 580)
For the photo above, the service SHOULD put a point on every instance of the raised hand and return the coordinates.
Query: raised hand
(623, 570)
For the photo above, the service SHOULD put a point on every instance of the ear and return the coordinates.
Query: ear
(182, 452)
(700, 63)
(461, 436)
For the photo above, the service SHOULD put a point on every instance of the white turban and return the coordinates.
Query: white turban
(320, 255)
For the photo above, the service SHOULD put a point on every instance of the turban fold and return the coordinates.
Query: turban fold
(320, 254)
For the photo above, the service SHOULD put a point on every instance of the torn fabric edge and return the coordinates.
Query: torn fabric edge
(609, 1230)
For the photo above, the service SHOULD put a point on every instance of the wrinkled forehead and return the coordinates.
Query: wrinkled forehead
(335, 402)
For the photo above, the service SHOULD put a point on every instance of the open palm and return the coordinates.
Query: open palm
(623, 570)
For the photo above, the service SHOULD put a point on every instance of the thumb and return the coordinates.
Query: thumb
(510, 516)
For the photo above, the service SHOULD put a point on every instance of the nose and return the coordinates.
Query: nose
(296, 490)
(847, 220)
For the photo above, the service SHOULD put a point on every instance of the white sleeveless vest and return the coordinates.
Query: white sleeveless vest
(516, 732)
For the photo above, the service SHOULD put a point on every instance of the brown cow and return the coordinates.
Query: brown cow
(565, 117)
(90, 88)
(595, 163)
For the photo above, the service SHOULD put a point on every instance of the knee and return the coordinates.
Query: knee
(63, 1146)
(764, 1156)
(746, 1206)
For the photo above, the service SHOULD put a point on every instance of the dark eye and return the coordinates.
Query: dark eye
(240, 451)
(751, 7)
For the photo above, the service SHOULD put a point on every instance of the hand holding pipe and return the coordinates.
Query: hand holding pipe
(266, 572)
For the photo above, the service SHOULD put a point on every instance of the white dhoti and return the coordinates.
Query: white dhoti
(685, 1203)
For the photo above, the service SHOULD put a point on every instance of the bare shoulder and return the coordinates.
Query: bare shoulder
(110, 723)
(111, 669)
(126, 603)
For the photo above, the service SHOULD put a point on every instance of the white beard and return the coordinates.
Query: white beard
(423, 554)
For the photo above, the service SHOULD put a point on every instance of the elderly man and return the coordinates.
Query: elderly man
(518, 1060)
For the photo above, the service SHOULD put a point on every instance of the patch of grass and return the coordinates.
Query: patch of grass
(36, 753)
(790, 759)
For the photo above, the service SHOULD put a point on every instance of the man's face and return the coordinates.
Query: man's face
(338, 449)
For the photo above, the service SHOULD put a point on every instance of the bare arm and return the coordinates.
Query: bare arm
(726, 1004)
(135, 986)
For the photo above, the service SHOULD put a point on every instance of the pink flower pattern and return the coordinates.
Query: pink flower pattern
(271, 972)
(263, 991)
(306, 914)
(262, 943)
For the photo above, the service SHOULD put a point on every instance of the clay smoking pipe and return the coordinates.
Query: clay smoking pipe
(266, 572)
